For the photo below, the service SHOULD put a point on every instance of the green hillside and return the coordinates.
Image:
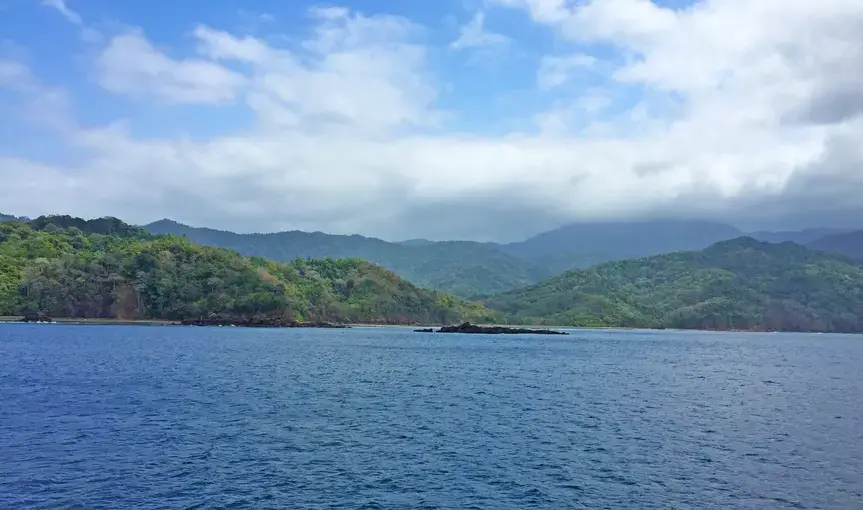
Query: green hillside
(66, 267)
(463, 268)
(736, 284)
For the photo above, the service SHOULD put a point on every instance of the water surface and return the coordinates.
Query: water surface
(171, 417)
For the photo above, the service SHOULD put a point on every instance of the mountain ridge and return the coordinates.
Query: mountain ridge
(100, 268)
(470, 269)
(66, 267)
(463, 268)
(740, 283)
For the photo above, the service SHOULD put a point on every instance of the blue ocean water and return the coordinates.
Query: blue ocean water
(170, 417)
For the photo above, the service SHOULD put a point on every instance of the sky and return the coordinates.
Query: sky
(452, 119)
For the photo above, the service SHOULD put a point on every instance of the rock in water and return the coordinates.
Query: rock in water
(259, 323)
(31, 316)
(469, 328)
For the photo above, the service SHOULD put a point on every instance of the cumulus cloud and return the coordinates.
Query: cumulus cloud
(729, 114)
(131, 65)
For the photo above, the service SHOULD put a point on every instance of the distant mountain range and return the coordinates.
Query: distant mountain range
(463, 268)
(69, 267)
(585, 244)
(737, 284)
(804, 237)
(9, 217)
(470, 269)
(849, 244)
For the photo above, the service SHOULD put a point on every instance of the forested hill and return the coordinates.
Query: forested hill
(736, 284)
(9, 217)
(463, 268)
(467, 269)
(65, 267)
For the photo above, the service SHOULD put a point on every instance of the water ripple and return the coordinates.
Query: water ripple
(134, 417)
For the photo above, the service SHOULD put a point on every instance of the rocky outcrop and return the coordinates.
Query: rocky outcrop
(469, 328)
(31, 316)
(259, 323)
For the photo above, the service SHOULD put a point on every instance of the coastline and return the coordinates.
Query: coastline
(155, 322)
(95, 322)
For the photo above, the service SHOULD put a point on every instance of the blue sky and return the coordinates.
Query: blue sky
(484, 119)
(488, 88)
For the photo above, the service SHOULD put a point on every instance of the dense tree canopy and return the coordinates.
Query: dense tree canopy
(471, 269)
(65, 267)
(463, 268)
(736, 284)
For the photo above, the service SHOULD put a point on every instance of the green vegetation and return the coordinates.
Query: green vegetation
(470, 269)
(736, 284)
(106, 269)
(462, 268)
(67, 267)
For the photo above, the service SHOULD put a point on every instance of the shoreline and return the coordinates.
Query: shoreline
(156, 322)
(94, 322)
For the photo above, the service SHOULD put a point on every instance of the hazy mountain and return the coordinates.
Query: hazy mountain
(416, 242)
(737, 284)
(463, 268)
(805, 236)
(584, 244)
(10, 217)
(467, 268)
(849, 244)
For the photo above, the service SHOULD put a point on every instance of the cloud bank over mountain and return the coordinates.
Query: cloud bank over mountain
(345, 119)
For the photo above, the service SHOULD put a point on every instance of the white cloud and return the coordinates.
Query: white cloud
(555, 70)
(474, 35)
(131, 65)
(218, 45)
(357, 75)
(63, 9)
(87, 33)
(737, 114)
